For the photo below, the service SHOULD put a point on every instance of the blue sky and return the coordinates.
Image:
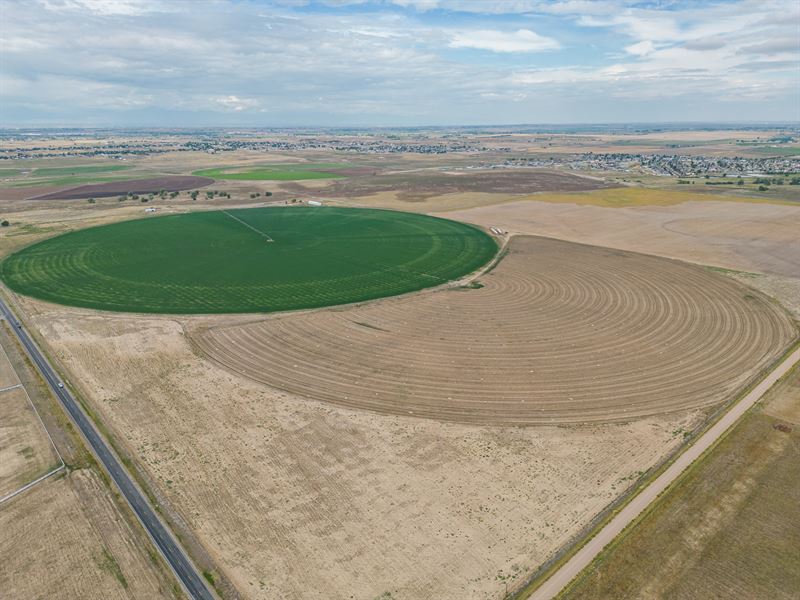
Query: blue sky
(396, 62)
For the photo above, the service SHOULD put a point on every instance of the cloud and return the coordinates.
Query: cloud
(352, 62)
(522, 40)
(236, 103)
(641, 49)
(107, 7)
(773, 46)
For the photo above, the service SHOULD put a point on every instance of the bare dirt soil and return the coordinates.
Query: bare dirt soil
(21, 193)
(729, 530)
(64, 539)
(300, 499)
(743, 236)
(169, 183)
(559, 333)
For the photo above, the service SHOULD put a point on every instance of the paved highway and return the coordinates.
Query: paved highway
(581, 559)
(191, 580)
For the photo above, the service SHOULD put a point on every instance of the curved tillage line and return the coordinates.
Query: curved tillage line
(560, 332)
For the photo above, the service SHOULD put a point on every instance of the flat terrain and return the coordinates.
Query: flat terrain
(301, 499)
(169, 183)
(560, 332)
(287, 492)
(67, 536)
(280, 172)
(25, 450)
(730, 527)
(255, 260)
(64, 539)
(413, 186)
(742, 236)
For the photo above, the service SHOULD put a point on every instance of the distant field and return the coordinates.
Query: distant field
(252, 260)
(63, 171)
(730, 528)
(641, 196)
(122, 186)
(76, 180)
(53, 176)
(288, 172)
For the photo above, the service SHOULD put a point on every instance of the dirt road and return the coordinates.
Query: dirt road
(585, 555)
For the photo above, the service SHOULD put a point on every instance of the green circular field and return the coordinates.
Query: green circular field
(248, 260)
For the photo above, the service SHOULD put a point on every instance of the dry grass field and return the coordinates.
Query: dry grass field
(560, 333)
(25, 450)
(301, 499)
(743, 236)
(65, 539)
(67, 536)
(730, 528)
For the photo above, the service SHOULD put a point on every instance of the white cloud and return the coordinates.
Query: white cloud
(236, 103)
(224, 61)
(522, 40)
(108, 7)
(641, 49)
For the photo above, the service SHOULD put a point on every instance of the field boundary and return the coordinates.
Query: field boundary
(61, 466)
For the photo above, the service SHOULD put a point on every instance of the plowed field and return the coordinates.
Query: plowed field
(560, 332)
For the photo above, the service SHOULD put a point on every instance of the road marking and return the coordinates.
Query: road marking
(258, 231)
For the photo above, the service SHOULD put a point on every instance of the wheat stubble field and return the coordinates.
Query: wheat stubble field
(559, 333)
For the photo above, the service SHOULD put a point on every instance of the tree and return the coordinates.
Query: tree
(5, 223)
(90, 200)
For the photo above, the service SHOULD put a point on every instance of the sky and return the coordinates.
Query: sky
(283, 63)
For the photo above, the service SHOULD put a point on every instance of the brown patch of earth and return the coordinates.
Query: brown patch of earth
(300, 499)
(169, 183)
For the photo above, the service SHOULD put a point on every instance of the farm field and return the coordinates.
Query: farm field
(169, 183)
(279, 172)
(64, 539)
(25, 450)
(558, 333)
(742, 236)
(283, 447)
(254, 260)
(76, 170)
(302, 499)
(729, 528)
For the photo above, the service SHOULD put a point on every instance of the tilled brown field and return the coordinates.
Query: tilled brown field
(559, 333)
(169, 183)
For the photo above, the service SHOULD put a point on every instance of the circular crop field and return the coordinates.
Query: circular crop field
(248, 260)
(559, 333)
